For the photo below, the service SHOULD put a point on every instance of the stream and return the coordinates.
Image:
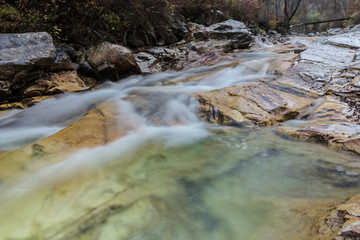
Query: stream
(168, 175)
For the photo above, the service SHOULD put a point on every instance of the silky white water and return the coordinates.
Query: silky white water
(171, 176)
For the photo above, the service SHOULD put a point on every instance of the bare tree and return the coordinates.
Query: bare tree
(290, 9)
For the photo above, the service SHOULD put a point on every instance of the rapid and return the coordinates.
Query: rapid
(166, 174)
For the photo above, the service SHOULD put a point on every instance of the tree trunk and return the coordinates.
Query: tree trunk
(289, 13)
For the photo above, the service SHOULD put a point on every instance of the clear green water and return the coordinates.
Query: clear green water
(233, 184)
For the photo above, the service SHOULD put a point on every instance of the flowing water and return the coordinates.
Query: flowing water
(170, 175)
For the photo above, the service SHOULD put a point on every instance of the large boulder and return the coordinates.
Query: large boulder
(20, 52)
(109, 61)
(31, 61)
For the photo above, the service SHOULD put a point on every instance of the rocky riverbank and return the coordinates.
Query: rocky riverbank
(31, 66)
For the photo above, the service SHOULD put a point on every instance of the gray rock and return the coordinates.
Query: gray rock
(194, 26)
(62, 62)
(30, 66)
(274, 33)
(346, 40)
(229, 30)
(328, 57)
(334, 31)
(147, 62)
(71, 51)
(24, 51)
(355, 28)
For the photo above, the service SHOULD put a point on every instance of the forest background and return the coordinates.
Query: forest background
(137, 23)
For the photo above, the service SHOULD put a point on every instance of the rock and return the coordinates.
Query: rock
(147, 62)
(111, 61)
(211, 17)
(324, 61)
(42, 88)
(84, 69)
(62, 62)
(168, 58)
(164, 29)
(71, 51)
(97, 127)
(340, 222)
(56, 83)
(274, 33)
(5, 89)
(30, 66)
(356, 28)
(338, 135)
(347, 40)
(251, 104)
(352, 145)
(232, 30)
(193, 27)
(19, 52)
(334, 31)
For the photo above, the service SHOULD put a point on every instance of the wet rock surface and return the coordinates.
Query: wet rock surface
(340, 222)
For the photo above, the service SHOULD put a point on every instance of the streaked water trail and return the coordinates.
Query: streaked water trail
(168, 175)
